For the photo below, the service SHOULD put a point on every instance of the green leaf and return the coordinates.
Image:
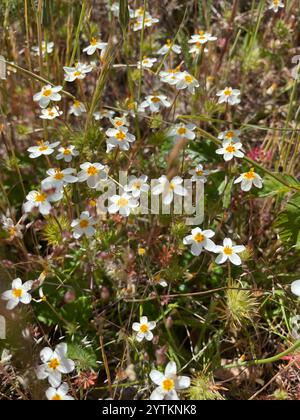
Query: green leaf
(124, 15)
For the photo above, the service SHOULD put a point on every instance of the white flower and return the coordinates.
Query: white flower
(77, 72)
(77, 108)
(118, 122)
(94, 46)
(47, 94)
(58, 178)
(18, 293)
(50, 113)
(230, 135)
(229, 150)
(55, 363)
(119, 138)
(47, 48)
(57, 394)
(105, 113)
(84, 225)
(43, 148)
(143, 329)
(248, 179)
(197, 48)
(186, 80)
(14, 230)
(123, 204)
(168, 383)
(67, 153)
(157, 279)
(228, 251)
(169, 188)
(155, 102)
(229, 95)
(199, 240)
(40, 200)
(169, 46)
(275, 5)
(148, 22)
(147, 63)
(199, 174)
(137, 185)
(171, 76)
(295, 287)
(93, 173)
(201, 38)
(182, 131)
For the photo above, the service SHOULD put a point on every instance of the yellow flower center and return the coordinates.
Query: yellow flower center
(56, 397)
(250, 175)
(77, 73)
(141, 251)
(76, 104)
(67, 151)
(229, 134)
(43, 148)
(168, 384)
(182, 131)
(58, 175)
(199, 173)
(144, 328)
(227, 92)
(50, 112)
(169, 43)
(228, 250)
(83, 223)
(199, 237)
(54, 363)
(122, 202)
(189, 79)
(47, 92)
(276, 2)
(172, 186)
(92, 170)
(93, 41)
(12, 231)
(40, 197)
(157, 278)
(230, 149)
(201, 33)
(119, 123)
(120, 135)
(137, 185)
(17, 293)
(155, 99)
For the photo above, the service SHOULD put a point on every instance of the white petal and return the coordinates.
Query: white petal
(171, 369)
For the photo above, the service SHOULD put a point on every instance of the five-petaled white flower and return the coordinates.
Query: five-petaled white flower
(119, 138)
(43, 148)
(199, 240)
(59, 394)
(276, 5)
(182, 131)
(41, 201)
(186, 80)
(229, 150)
(55, 363)
(229, 95)
(92, 173)
(154, 102)
(169, 188)
(58, 178)
(105, 113)
(169, 45)
(295, 287)
(47, 48)
(13, 230)
(139, 21)
(18, 293)
(248, 179)
(84, 225)
(197, 48)
(136, 185)
(147, 63)
(143, 329)
(168, 383)
(118, 122)
(47, 94)
(230, 135)
(50, 113)
(202, 37)
(123, 204)
(77, 108)
(171, 76)
(229, 252)
(67, 153)
(199, 174)
(78, 72)
(95, 44)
